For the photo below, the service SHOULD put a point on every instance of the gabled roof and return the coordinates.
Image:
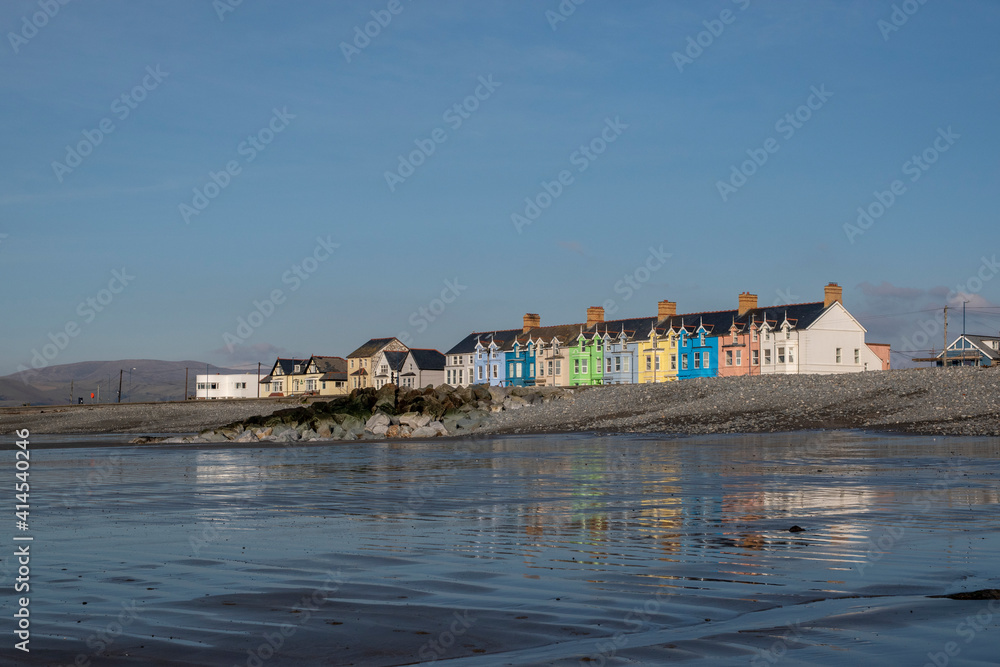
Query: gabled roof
(370, 348)
(468, 344)
(327, 364)
(287, 365)
(982, 343)
(394, 359)
(428, 360)
(563, 332)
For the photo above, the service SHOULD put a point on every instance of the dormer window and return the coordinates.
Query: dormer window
(753, 335)
(788, 333)
(701, 339)
(734, 338)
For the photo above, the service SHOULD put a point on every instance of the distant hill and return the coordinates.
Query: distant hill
(152, 380)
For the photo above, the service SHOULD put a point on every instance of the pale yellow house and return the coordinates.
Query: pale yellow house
(360, 369)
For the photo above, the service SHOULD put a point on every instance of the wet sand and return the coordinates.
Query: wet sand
(582, 550)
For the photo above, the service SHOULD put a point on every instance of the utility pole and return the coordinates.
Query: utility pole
(258, 379)
(185, 384)
(944, 359)
(71, 392)
(121, 372)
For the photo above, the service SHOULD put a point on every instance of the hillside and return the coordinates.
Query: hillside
(152, 380)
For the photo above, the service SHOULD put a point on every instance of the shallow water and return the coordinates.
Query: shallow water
(575, 549)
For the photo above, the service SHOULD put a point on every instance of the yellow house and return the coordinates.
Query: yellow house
(656, 352)
(320, 376)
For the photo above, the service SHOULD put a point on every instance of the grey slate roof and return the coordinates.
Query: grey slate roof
(468, 344)
(370, 348)
(428, 360)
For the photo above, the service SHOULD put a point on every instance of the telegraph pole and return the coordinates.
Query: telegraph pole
(944, 359)
(121, 372)
(185, 384)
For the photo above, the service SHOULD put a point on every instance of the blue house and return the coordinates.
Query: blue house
(520, 359)
(621, 365)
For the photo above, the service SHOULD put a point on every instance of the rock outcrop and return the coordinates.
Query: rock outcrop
(384, 413)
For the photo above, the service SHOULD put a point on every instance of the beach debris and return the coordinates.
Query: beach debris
(796, 529)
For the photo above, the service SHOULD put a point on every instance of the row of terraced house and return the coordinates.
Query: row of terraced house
(803, 338)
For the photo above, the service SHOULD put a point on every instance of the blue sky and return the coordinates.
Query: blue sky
(330, 122)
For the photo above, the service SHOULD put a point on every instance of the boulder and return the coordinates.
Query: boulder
(376, 420)
(380, 429)
(424, 432)
(392, 431)
(414, 420)
(438, 427)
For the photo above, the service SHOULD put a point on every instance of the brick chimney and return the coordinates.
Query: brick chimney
(831, 293)
(531, 320)
(748, 302)
(595, 315)
(666, 309)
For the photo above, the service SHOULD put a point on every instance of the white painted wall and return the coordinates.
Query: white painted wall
(241, 385)
(834, 329)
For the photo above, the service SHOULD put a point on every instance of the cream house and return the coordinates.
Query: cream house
(279, 381)
(359, 363)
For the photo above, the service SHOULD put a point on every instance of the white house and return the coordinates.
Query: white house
(816, 338)
(236, 385)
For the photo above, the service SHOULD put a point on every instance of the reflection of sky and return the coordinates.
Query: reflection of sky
(581, 527)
